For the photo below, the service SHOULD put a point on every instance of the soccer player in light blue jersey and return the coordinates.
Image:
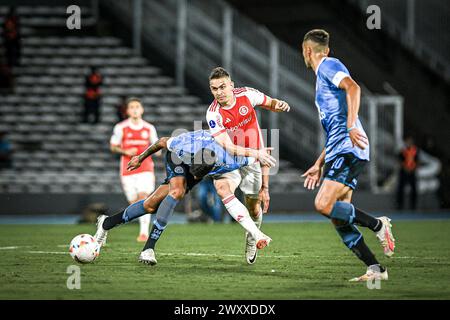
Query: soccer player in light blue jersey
(190, 157)
(344, 157)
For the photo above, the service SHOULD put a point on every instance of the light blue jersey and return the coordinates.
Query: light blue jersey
(332, 106)
(189, 143)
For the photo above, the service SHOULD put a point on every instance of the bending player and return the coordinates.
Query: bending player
(233, 121)
(346, 153)
(189, 158)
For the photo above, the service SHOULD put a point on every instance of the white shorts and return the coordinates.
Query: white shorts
(248, 178)
(143, 182)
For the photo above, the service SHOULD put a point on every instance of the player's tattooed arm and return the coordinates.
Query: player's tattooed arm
(136, 161)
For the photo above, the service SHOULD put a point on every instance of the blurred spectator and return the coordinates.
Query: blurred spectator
(209, 200)
(6, 78)
(5, 152)
(11, 38)
(408, 156)
(92, 96)
(121, 109)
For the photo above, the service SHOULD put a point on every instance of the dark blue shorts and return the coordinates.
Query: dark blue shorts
(345, 168)
(178, 169)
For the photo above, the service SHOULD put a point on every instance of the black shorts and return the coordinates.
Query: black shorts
(178, 169)
(345, 168)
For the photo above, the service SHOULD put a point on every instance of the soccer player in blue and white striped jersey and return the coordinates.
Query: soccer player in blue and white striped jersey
(345, 155)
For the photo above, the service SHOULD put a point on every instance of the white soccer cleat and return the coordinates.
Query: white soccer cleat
(148, 257)
(385, 236)
(252, 246)
(373, 273)
(251, 252)
(101, 233)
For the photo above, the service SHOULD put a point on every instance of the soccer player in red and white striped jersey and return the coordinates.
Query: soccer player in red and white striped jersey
(131, 137)
(233, 123)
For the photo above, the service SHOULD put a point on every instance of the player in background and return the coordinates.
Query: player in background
(233, 122)
(344, 157)
(189, 158)
(131, 137)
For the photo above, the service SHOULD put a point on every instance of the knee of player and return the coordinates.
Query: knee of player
(223, 190)
(177, 193)
(149, 207)
(323, 206)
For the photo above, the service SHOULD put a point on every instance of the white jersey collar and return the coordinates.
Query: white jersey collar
(138, 126)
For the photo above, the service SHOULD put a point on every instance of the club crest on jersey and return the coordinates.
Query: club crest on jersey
(243, 110)
(144, 134)
(212, 124)
(179, 170)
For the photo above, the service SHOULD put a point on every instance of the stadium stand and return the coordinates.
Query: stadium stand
(54, 152)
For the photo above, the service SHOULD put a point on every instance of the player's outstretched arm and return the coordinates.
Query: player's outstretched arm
(276, 105)
(136, 161)
(262, 155)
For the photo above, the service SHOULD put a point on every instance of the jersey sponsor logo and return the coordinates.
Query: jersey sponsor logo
(243, 110)
(129, 135)
(241, 124)
(212, 124)
(179, 170)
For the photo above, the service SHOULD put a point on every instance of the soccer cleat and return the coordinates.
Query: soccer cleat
(373, 273)
(142, 238)
(101, 233)
(250, 249)
(148, 257)
(385, 236)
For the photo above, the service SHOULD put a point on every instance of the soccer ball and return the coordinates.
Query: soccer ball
(84, 248)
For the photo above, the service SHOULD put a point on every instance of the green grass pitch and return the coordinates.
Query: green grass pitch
(304, 261)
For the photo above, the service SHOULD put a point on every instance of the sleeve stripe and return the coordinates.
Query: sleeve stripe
(338, 78)
(218, 132)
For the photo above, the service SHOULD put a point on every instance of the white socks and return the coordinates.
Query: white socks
(240, 213)
(144, 223)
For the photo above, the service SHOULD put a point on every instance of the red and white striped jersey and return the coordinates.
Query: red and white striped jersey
(239, 120)
(127, 136)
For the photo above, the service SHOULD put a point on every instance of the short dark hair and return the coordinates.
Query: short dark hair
(218, 73)
(208, 162)
(132, 99)
(318, 36)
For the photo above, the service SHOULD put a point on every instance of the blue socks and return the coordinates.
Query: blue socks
(165, 210)
(350, 234)
(343, 211)
(134, 211)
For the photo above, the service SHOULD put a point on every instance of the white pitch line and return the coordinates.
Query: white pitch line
(8, 248)
(48, 252)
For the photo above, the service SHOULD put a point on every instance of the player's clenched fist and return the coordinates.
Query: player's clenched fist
(134, 163)
(282, 106)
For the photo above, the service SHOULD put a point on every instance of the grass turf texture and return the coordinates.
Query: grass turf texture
(305, 261)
